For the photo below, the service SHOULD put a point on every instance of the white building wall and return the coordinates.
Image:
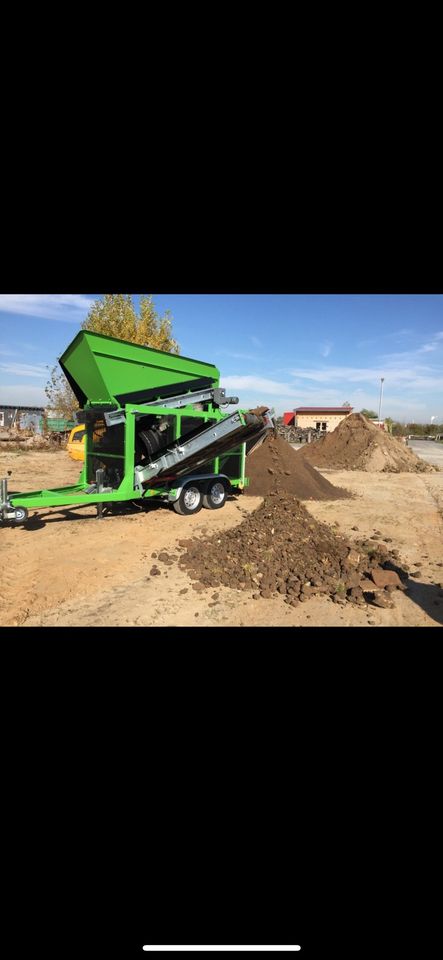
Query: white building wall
(310, 420)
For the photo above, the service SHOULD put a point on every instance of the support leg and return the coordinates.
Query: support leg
(99, 476)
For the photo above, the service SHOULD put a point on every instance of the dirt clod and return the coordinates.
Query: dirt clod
(385, 578)
(381, 600)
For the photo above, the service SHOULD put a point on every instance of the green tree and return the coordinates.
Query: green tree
(369, 414)
(114, 315)
(61, 399)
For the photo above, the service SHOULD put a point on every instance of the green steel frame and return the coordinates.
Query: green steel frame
(103, 370)
(75, 495)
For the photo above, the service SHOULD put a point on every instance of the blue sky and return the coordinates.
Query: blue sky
(279, 350)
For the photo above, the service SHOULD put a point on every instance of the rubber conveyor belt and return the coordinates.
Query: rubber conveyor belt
(187, 455)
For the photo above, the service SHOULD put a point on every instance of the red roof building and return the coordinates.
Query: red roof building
(288, 418)
(344, 410)
(317, 418)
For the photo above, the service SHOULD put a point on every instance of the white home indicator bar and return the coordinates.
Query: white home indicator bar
(243, 948)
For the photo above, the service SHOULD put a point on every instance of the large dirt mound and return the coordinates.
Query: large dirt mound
(280, 550)
(275, 466)
(356, 444)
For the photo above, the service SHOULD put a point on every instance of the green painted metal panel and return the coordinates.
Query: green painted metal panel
(100, 368)
(57, 424)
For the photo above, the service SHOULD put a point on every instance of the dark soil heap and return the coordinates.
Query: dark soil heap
(357, 444)
(280, 550)
(275, 466)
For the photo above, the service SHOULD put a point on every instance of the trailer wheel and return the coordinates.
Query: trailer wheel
(190, 500)
(214, 497)
(21, 515)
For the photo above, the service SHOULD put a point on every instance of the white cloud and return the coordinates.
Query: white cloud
(419, 377)
(4, 352)
(236, 356)
(346, 374)
(410, 356)
(255, 341)
(65, 307)
(259, 384)
(24, 395)
(395, 335)
(253, 390)
(399, 406)
(25, 370)
(407, 394)
(433, 344)
(413, 382)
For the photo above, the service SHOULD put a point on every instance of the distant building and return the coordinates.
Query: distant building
(325, 419)
(25, 417)
(378, 423)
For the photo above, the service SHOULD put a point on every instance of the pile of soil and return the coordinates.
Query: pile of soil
(357, 444)
(281, 550)
(275, 466)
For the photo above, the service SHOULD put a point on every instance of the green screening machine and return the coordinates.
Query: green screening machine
(157, 426)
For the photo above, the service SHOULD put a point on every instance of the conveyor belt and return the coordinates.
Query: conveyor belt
(187, 455)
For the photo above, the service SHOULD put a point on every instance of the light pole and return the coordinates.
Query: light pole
(381, 394)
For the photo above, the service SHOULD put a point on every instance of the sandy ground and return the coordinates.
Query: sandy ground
(68, 568)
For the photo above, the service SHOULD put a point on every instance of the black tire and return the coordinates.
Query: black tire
(215, 495)
(21, 515)
(190, 500)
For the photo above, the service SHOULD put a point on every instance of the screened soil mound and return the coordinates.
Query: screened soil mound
(356, 444)
(281, 550)
(275, 466)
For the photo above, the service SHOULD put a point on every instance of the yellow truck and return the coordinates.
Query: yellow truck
(76, 442)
